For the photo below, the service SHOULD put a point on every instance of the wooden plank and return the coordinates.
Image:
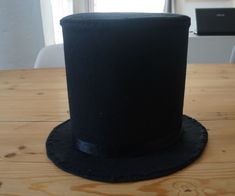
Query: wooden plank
(180, 184)
(25, 141)
(210, 92)
(40, 95)
(33, 95)
(32, 102)
(25, 169)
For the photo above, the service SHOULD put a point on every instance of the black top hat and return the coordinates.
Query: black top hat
(126, 78)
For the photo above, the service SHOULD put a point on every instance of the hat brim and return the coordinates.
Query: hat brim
(62, 153)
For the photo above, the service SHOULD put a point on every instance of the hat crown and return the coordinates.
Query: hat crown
(126, 77)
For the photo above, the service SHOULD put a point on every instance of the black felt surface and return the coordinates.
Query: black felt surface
(124, 71)
(61, 151)
(126, 79)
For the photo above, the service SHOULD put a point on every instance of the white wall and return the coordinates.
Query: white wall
(206, 49)
(21, 35)
(210, 49)
(187, 7)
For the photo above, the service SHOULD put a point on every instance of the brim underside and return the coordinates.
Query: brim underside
(61, 152)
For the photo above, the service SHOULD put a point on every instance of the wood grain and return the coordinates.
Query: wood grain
(32, 102)
(210, 92)
(33, 95)
(41, 94)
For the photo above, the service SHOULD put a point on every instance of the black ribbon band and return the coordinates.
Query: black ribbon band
(126, 150)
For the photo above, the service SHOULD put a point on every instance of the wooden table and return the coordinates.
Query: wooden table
(32, 102)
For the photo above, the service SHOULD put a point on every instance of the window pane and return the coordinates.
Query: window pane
(129, 5)
(60, 8)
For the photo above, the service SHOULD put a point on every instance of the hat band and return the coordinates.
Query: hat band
(126, 150)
